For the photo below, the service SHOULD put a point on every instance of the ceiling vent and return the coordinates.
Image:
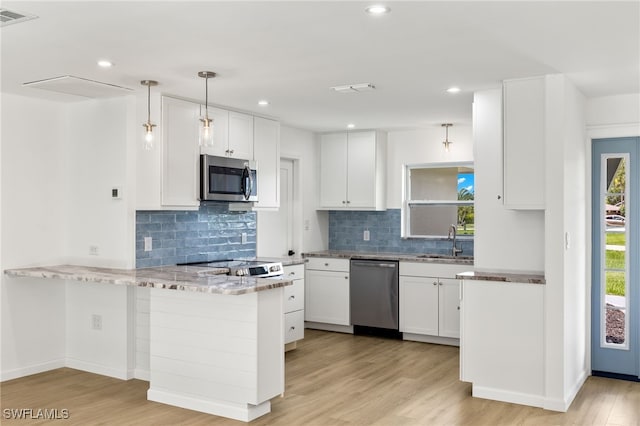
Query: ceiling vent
(354, 88)
(77, 86)
(10, 17)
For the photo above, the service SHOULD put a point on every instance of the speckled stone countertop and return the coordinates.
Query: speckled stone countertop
(286, 261)
(184, 278)
(435, 258)
(502, 277)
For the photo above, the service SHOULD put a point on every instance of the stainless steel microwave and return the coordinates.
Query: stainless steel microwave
(227, 179)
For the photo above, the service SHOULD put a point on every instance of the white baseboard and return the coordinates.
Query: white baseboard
(431, 339)
(564, 404)
(508, 396)
(123, 374)
(236, 411)
(329, 327)
(16, 373)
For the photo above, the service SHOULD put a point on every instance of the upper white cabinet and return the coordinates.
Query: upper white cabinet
(353, 171)
(524, 143)
(240, 136)
(220, 119)
(266, 150)
(180, 153)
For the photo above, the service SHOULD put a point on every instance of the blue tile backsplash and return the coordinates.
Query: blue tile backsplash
(210, 233)
(346, 233)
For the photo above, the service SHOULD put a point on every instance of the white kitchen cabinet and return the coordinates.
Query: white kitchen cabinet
(524, 143)
(502, 341)
(220, 119)
(266, 151)
(179, 153)
(240, 136)
(429, 300)
(327, 291)
(294, 304)
(353, 171)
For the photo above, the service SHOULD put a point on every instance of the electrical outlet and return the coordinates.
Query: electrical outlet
(93, 250)
(96, 322)
(366, 235)
(148, 243)
(244, 238)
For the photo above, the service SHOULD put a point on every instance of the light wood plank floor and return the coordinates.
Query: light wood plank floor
(331, 379)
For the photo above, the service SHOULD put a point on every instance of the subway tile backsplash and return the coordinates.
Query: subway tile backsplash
(210, 233)
(346, 233)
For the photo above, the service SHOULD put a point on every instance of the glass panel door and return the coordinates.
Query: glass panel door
(615, 286)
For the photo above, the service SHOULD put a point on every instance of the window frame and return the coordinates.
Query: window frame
(407, 203)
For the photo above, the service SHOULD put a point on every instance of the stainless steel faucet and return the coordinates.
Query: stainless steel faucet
(454, 249)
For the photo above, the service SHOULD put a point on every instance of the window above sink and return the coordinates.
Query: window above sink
(436, 197)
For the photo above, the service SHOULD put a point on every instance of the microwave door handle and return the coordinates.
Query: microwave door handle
(247, 178)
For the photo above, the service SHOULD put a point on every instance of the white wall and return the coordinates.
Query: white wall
(505, 240)
(421, 147)
(313, 230)
(60, 162)
(611, 111)
(33, 216)
(566, 320)
(101, 156)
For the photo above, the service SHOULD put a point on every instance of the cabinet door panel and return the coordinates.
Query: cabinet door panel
(419, 305)
(220, 131)
(179, 153)
(327, 297)
(266, 152)
(240, 136)
(333, 170)
(449, 295)
(361, 170)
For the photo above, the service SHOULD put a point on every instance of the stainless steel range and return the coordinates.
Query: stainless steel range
(241, 268)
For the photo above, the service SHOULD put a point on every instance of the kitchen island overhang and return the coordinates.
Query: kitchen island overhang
(216, 342)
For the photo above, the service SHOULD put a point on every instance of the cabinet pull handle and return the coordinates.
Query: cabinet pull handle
(440, 283)
(231, 152)
(291, 274)
(458, 307)
(292, 297)
(348, 202)
(292, 328)
(346, 278)
(326, 264)
(344, 202)
(435, 283)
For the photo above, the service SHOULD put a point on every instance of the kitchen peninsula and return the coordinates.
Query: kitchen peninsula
(216, 342)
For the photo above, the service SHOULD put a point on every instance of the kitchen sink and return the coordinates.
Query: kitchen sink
(444, 256)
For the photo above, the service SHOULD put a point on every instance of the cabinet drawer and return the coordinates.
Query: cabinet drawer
(294, 296)
(293, 326)
(294, 272)
(424, 269)
(328, 264)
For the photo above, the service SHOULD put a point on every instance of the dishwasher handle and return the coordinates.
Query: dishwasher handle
(374, 265)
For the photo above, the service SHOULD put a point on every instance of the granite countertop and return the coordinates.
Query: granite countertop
(503, 277)
(184, 278)
(426, 258)
(286, 261)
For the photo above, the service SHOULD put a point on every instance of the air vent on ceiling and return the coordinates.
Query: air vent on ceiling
(78, 86)
(354, 88)
(10, 17)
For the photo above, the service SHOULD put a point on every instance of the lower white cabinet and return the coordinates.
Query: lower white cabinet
(429, 299)
(294, 304)
(327, 291)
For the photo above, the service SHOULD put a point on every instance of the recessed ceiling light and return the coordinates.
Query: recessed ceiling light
(104, 63)
(453, 90)
(377, 9)
(263, 102)
(351, 126)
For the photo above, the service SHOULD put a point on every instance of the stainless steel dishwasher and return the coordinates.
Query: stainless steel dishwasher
(374, 295)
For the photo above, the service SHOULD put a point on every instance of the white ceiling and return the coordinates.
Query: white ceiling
(291, 53)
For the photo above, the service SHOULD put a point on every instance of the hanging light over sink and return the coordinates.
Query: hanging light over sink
(206, 129)
(148, 126)
(446, 142)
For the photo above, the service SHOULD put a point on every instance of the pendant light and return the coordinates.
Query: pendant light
(148, 126)
(206, 130)
(446, 141)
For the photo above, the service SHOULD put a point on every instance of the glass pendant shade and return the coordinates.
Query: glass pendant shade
(206, 132)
